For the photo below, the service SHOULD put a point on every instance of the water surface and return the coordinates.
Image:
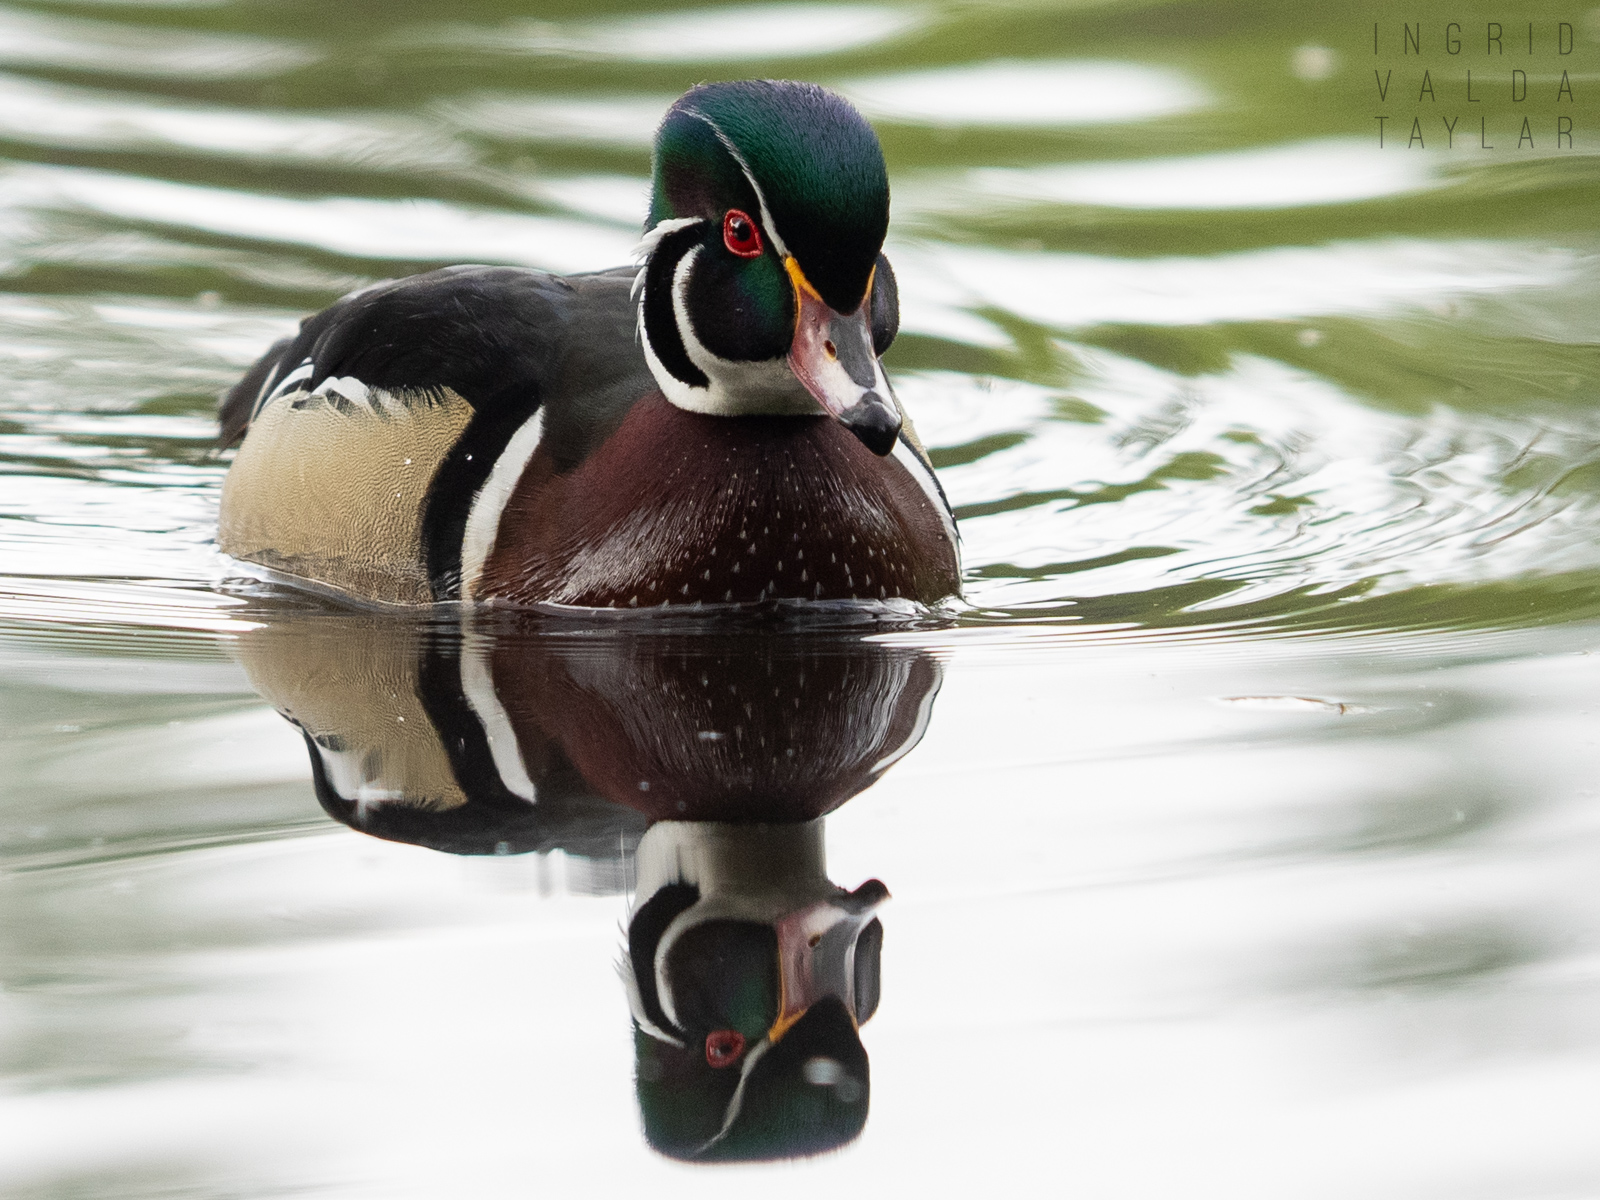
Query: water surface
(1241, 834)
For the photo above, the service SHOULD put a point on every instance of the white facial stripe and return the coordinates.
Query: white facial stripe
(680, 308)
(636, 1005)
(483, 520)
(737, 388)
(736, 1102)
(673, 388)
(761, 199)
(478, 684)
(920, 471)
(648, 243)
(676, 390)
(664, 996)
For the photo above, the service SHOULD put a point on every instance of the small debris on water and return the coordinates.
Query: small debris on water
(1301, 704)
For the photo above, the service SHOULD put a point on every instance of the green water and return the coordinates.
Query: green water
(1249, 846)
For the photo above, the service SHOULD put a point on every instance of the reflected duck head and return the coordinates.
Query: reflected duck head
(749, 974)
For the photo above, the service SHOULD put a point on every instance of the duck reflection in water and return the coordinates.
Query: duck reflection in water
(706, 761)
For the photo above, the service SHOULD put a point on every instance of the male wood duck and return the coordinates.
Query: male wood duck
(712, 428)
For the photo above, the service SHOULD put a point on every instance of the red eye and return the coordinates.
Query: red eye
(723, 1047)
(739, 234)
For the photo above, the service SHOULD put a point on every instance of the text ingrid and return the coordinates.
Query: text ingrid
(1551, 99)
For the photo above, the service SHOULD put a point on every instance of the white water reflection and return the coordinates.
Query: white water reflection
(34, 39)
(1010, 93)
(67, 355)
(1188, 941)
(620, 198)
(61, 115)
(613, 120)
(739, 32)
(1332, 171)
(394, 229)
(1254, 473)
(1067, 291)
(159, 607)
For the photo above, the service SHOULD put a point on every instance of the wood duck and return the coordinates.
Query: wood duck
(713, 427)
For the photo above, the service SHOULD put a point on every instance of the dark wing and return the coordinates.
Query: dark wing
(493, 334)
(505, 339)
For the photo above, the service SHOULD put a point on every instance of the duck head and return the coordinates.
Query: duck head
(749, 975)
(765, 289)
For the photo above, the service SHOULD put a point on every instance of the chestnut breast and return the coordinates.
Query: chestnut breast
(682, 508)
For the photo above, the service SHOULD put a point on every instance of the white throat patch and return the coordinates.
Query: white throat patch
(736, 388)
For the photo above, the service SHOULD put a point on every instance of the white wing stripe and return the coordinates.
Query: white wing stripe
(478, 684)
(483, 521)
(907, 458)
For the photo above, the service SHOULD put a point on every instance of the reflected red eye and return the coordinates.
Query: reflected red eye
(740, 235)
(723, 1047)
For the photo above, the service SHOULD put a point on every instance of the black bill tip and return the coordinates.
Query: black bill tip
(875, 421)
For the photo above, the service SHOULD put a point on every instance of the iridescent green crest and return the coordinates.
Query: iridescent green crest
(812, 158)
